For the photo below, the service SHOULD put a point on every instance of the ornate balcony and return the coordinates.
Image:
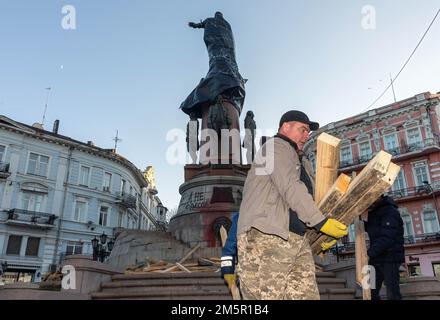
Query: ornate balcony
(423, 238)
(4, 170)
(34, 219)
(429, 145)
(419, 191)
(126, 200)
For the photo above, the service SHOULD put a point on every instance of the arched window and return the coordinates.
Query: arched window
(430, 221)
(407, 225)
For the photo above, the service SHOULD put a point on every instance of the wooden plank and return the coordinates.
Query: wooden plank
(361, 256)
(340, 186)
(182, 267)
(373, 171)
(365, 199)
(223, 235)
(327, 164)
(183, 259)
(338, 189)
(204, 262)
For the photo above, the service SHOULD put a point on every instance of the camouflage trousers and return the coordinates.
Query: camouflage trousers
(270, 268)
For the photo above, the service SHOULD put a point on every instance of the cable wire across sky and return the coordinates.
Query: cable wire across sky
(404, 65)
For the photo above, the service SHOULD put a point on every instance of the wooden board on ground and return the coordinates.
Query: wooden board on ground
(327, 164)
(184, 258)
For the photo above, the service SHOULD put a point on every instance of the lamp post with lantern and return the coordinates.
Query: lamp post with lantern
(101, 248)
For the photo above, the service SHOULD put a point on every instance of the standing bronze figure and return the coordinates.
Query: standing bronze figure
(223, 77)
(249, 136)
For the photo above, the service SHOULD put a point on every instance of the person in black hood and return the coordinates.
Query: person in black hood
(386, 252)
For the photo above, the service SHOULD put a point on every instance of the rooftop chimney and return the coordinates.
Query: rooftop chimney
(56, 125)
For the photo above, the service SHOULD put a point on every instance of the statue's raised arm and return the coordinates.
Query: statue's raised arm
(194, 25)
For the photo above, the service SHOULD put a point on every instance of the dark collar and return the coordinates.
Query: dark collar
(292, 143)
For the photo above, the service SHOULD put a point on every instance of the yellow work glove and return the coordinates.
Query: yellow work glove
(327, 245)
(334, 229)
(230, 279)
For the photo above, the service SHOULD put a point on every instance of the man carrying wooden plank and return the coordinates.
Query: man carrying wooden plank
(275, 259)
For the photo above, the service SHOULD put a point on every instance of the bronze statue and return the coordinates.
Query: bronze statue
(218, 117)
(192, 137)
(223, 77)
(249, 136)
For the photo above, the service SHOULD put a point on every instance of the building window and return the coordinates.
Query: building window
(365, 150)
(399, 183)
(312, 160)
(346, 156)
(436, 269)
(420, 173)
(351, 233)
(2, 152)
(414, 137)
(33, 201)
(32, 247)
(107, 182)
(103, 216)
(14, 245)
(414, 269)
(38, 164)
(123, 185)
(74, 248)
(84, 176)
(430, 221)
(79, 212)
(407, 225)
(390, 142)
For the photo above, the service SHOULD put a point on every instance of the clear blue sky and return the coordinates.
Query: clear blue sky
(129, 65)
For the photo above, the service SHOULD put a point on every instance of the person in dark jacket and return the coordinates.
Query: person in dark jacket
(386, 252)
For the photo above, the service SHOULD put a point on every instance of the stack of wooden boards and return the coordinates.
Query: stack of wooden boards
(200, 265)
(341, 197)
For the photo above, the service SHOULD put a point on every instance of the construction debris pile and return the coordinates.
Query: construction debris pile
(159, 266)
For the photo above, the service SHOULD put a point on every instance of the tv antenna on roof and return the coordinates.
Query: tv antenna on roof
(116, 139)
(45, 105)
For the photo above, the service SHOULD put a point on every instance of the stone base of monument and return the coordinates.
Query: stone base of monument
(210, 194)
(420, 288)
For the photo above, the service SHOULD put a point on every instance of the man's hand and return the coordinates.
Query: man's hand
(327, 245)
(192, 24)
(230, 280)
(334, 229)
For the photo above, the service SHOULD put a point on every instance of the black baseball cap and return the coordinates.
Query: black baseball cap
(295, 115)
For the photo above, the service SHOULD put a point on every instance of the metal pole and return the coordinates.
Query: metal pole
(337, 252)
(45, 105)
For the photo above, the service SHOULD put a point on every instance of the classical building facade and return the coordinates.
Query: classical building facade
(409, 130)
(57, 194)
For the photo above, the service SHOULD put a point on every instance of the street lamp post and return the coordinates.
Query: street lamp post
(100, 250)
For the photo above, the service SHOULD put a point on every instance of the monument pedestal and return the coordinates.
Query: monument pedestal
(210, 194)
